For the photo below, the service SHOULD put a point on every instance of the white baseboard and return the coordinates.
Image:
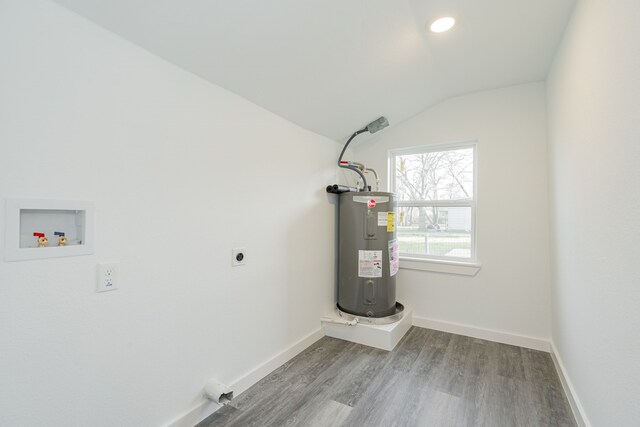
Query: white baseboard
(576, 406)
(195, 415)
(521, 341)
(205, 408)
(485, 334)
(250, 378)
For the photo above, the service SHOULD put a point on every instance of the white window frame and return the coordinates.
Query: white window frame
(472, 202)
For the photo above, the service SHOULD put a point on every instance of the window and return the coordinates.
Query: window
(436, 189)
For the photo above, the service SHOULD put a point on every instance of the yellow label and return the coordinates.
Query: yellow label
(391, 222)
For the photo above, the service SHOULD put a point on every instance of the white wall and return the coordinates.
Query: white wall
(511, 291)
(594, 139)
(181, 171)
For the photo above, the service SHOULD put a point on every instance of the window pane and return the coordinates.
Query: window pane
(438, 175)
(435, 231)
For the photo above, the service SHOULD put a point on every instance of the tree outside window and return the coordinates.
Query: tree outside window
(436, 200)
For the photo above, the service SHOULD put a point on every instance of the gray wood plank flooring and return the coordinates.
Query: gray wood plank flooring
(431, 378)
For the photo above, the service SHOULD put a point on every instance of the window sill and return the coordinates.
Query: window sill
(440, 266)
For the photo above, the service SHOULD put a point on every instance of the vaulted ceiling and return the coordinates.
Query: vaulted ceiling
(332, 66)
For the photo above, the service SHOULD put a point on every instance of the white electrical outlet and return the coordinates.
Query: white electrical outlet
(108, 277)
(238, 257)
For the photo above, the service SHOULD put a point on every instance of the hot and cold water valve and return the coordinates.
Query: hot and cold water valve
(45, 228)
(62, 239)
(43, 240)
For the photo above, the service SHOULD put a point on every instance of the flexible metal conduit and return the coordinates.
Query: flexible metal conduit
(353, 168)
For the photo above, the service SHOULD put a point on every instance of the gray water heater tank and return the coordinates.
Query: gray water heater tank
(368, 254)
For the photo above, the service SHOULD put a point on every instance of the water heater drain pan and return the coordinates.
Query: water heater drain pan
(374, 320)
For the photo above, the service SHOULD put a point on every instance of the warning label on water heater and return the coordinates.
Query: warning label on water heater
(382, 219)
(369, 263)
(394, 257)
(387, 219)
(391, 222)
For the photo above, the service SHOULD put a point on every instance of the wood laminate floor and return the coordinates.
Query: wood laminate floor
(431, 378)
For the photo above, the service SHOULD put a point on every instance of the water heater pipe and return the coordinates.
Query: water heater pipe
(338, 189)
(350, 167)
(353, 322)
(220, 393)
(372, 127)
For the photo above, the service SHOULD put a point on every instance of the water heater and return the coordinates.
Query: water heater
(368, 254)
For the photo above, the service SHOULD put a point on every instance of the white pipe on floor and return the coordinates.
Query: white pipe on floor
(218, 392)
(353, 322)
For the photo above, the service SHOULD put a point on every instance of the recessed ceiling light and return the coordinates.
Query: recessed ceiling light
(442, 24)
